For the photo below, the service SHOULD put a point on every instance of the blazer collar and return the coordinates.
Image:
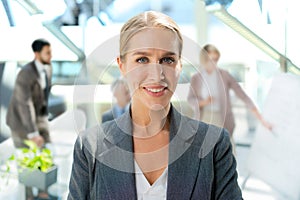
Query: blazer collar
(33, 66)
(180, 126)
(182, 169)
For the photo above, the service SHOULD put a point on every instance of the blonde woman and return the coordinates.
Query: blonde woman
(152, 151)
(209, 93)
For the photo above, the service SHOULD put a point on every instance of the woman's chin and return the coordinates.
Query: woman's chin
(158, 106)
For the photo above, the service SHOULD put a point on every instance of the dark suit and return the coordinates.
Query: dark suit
(201, 165)
(112, 114)
(27, 111)
(108, 115)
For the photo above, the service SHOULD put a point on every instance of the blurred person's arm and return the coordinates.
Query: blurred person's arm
(246, 99)
(194, 96)
(36, 138)
(205, 102)
(24, 104)
(265, 123)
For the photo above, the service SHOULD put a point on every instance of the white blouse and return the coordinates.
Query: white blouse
(210, 88)
(145, 191)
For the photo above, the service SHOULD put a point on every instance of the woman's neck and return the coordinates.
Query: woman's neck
(209, 70)
(148, 122)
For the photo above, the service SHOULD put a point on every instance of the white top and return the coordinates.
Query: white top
(41, 69)
(210, 88)
(145, 191)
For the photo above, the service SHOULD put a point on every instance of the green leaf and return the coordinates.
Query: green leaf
(31, 144)
(47, 151)
(25, 150)
(11, 158)
(32, 158)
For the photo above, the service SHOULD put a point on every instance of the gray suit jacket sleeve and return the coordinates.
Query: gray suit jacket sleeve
(79, 187)
(238, 90)
(24, 104)
(225, 184)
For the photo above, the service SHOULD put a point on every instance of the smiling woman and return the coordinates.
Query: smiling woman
(152, 151)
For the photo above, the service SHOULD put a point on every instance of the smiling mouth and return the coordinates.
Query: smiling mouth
(155, 90)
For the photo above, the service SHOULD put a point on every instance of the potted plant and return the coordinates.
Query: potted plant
(35, 166)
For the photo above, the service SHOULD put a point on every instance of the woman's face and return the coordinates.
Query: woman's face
(212, 61)
(152, 67)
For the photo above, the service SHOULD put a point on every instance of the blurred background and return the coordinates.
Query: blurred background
(258, 39)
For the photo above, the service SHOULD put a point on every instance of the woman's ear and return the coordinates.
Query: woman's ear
(121, 65)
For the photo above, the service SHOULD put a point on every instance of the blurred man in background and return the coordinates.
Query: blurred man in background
(27, 114)
(121, 93)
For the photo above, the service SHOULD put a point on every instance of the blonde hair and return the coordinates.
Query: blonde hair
(208, 48)
(148, 19)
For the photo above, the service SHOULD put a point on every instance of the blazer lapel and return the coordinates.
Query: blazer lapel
(184, 159)
(37, 76)
(35, 69)
(117, 158)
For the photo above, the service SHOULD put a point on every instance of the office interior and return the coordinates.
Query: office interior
(258, 41)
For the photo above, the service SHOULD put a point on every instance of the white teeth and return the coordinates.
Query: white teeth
(154, 90)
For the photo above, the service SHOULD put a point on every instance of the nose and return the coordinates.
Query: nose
(158, 72)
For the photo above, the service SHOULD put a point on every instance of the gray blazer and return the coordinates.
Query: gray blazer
(225, 83)
(107, 116)
(201, 164)
(28, 101)
(111, 114)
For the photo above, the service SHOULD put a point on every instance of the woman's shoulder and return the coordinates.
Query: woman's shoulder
(224, 73)
(91, 142)
(97, 131)
(207, 136)
(197, 75)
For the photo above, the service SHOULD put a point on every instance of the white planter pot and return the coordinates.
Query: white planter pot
(37, 178)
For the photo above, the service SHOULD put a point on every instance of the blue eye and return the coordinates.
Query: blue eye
(142, 60)
(167, 60)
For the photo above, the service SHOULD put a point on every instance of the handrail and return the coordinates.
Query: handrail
(56, 31)
(221, 13)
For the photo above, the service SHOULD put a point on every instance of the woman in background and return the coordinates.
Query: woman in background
(209, 93)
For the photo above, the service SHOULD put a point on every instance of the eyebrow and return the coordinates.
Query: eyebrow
(144, 53)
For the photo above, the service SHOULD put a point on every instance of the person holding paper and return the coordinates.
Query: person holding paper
(209, 93)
